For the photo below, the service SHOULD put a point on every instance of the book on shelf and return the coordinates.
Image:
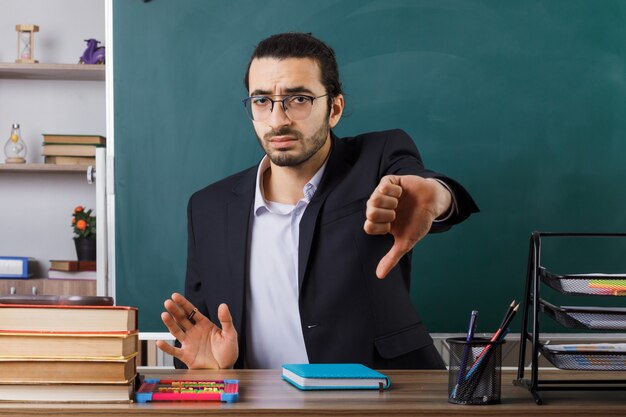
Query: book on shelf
(70, 160)
(74, 139)
(23, 370)
(68, 345)
(16, 267)
(67, 393)
(68, 150)
(75, 275)
(318, 376)
(72, 265)
(67, 318)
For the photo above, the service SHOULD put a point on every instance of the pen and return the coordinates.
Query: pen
(468, 340)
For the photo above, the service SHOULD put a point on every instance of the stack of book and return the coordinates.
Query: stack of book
(67, 353)
(80, 270)
(71, 149)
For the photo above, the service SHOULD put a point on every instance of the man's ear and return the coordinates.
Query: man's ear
(336, 110)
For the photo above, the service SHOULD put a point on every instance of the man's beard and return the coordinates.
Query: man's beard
(311, 144)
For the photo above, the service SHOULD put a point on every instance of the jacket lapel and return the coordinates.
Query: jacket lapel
(237, 219)
(336, 169)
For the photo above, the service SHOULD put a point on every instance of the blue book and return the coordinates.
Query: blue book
(15, 267)
(319, 376)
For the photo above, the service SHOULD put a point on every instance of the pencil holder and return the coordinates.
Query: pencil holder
(474, 374)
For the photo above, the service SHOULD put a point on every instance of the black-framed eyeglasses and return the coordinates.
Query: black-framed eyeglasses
(295, 106)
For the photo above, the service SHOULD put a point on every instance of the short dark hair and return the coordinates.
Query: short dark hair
(301, 45)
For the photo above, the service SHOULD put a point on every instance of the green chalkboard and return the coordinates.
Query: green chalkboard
(524, 102)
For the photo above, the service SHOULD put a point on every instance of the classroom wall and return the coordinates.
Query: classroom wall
(521, 101)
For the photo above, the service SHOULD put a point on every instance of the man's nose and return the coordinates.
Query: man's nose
(278, 116)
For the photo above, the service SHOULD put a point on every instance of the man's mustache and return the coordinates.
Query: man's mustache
(283, 131)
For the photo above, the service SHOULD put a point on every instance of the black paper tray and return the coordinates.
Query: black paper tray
(588, 360)
(585, 284)
(591, 318)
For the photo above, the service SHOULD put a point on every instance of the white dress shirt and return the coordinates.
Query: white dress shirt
(273, 330)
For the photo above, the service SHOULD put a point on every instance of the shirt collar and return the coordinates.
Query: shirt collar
(308, 190)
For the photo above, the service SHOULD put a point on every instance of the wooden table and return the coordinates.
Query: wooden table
(264, 393)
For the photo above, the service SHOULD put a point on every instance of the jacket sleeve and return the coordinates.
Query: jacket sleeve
(401, 157)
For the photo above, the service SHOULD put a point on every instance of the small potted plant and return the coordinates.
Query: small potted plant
(84, 225)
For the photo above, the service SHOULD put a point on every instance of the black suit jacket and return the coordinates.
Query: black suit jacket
(347, 314)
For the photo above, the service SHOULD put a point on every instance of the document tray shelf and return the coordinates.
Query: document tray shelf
(587, 360)
(583, 357)
(590, 318)
(585, 284)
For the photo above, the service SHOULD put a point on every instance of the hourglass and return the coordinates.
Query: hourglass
(25, 43)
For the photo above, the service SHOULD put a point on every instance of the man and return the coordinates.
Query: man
(291, 254)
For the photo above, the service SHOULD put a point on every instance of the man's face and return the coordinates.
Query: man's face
(287, 142)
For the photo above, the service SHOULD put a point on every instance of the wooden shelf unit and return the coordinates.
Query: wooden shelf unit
(46, 286)
(64, 72)
(42, 168)
(73, 72)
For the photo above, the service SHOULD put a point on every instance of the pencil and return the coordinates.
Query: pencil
(476, 374)
(508, 311)
(505, 323)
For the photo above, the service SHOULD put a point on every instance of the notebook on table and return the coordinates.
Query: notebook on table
(323, 376)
